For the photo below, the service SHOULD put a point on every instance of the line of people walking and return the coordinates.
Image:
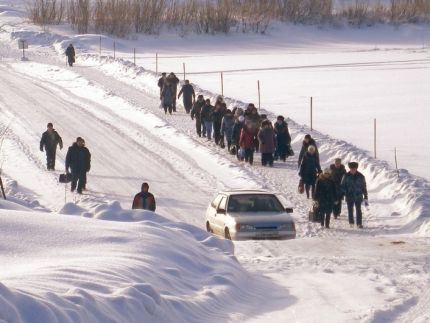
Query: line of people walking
(245, 132)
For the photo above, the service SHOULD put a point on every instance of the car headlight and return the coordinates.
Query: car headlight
(287, 226)
(244, 227)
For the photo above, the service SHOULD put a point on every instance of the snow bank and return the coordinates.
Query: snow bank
(58, 268)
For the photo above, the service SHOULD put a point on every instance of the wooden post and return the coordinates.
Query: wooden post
(156, 64)
(183, 66)
(2, 188)
(100, 46)
(374, 138)
(114, 50)
(312, 114)
(222, 83)
(134, 56)
(259, 94)
(395, 160)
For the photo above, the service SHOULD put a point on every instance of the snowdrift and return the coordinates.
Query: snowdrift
(136, 267)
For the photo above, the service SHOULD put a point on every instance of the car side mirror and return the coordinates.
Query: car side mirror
(289, 210)
(220, 211)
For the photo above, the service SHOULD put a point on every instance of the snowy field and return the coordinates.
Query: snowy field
(68, 258)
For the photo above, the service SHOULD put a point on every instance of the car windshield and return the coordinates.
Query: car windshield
(254, 203)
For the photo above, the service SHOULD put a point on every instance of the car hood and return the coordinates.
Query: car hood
(262, 217)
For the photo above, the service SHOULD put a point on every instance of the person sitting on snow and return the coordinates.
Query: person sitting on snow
(144, 200)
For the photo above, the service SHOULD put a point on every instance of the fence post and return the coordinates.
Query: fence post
(100, 47)
(183, 66)
(114, 50)
(374, 138)
(312, 113)
(156, 64)
(395, 160)
(259, 94)
(134, 56)
(222, 83)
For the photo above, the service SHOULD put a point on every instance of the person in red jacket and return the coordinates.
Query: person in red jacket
(144, 200)
(247, 142)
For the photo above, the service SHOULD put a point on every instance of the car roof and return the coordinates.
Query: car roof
(245, 192)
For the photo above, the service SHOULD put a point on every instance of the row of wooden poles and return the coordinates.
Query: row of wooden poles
(259, 97)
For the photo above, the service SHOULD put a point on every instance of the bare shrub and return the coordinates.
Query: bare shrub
(78, 13)
(121, 17)
(46, 12)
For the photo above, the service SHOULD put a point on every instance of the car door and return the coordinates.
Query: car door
(212, 213)
(221, 215)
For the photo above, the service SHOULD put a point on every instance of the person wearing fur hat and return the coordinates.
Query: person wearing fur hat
(78, 163)
(354, 188)
(283, 138)
(308, 141)
(325, 195)
(309, 169)
(267, 142)
(337, 172)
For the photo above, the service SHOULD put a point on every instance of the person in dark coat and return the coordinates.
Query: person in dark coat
(309, 169)
(167, 95)
(247, 142)
(144, 200)
(283, 138)
(308, 141)
(337, 173)
(70, 53)
(196, 114)
(235, 138)
(189, 96)
(174, 81)
(354, 188)
(227, 125)
(253, 119)
(50, 140)
(207, 118)
(325, 195)
(78, 160)
(217, 119)
(267, 142)
(161, 82)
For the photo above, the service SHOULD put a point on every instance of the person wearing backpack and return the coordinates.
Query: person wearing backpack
(144, 200)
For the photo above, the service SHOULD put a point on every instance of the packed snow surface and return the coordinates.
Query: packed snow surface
(89, 258)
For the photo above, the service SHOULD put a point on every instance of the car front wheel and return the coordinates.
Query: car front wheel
(227, 234)
(208, 227)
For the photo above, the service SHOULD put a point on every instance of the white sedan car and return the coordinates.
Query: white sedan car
(249, 214)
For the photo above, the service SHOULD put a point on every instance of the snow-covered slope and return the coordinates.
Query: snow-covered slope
(62, 268)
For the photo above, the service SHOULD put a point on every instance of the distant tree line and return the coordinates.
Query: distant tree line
(123, 17)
